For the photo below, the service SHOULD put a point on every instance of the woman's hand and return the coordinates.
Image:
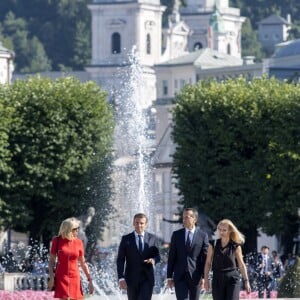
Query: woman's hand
(50, 283)
(247, 286)
(91, 287)
(206, 285)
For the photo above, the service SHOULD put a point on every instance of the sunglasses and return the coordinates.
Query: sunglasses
(75, 229)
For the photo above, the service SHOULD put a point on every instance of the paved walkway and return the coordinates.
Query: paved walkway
(161, 297)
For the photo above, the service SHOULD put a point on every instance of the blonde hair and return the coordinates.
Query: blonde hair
(66, 227)
(234, 233)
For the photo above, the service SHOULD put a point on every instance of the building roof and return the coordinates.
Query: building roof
(5, 51)
(288, 48)
(274, 19)
(206, 58)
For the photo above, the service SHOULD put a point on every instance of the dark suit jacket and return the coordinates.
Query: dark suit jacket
(130, 262)
(269, 266)
(180, 260)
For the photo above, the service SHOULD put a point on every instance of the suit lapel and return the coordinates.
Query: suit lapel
(146, 241)
(133, 242)
(195, 237)
(182, 238)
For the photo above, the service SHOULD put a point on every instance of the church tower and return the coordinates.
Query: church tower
(118, 27)
(214, 25)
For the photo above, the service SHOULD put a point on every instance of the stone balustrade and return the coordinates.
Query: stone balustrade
(23, 281)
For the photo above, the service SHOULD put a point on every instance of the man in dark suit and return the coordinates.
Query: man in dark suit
(187, 256)
(137, 255)
(264, 272)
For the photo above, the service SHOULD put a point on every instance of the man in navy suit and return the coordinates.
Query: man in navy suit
(187, 256)
(264, 272)
(137, 255)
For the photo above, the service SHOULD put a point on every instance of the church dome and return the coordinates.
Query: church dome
(289, 48)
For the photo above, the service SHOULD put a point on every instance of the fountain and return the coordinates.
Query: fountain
(132, 165)
(132, 175)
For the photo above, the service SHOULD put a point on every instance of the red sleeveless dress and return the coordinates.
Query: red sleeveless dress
(67, 276)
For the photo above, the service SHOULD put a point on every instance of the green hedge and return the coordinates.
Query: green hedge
(290, 284)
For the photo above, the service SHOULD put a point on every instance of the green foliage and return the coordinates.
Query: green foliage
(250, 43)
(290, 284)
(62, 129)
(5, 154)
(60, 29)
(238, 152)
(31, 56)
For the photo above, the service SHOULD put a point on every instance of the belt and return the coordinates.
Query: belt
(228, 270)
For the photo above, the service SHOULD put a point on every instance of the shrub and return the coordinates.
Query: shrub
(290, 284)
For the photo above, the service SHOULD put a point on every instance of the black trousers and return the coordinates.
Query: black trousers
(142, 291)
(264, 283)
(226, 285)
(186, 288)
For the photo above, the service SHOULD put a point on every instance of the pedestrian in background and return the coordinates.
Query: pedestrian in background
(264, 272)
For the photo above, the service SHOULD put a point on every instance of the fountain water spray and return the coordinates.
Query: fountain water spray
(133, 171)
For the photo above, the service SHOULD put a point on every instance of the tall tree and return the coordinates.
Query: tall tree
(5, 153)
(61, 131)
(30, 53)
(250, 43)
(231, 137)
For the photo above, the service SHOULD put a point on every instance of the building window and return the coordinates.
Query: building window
(165, 87)
(229, 49)
(148, 43)
(182, 83)
(266, 36)
(158, 183)
(115, 43)
(276, 37)
(198, 46)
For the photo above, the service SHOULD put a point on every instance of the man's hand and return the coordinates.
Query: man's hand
(122, 284)
(170, 283)
(149, 261)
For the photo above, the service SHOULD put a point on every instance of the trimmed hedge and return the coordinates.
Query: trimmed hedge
(290, 284)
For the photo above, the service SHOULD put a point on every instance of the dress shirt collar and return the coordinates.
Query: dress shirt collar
(191, 230)
(137, 235)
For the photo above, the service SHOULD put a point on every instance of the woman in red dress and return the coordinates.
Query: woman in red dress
(68, 250)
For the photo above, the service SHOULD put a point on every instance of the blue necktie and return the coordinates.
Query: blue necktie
(188, 243)
(140, 243)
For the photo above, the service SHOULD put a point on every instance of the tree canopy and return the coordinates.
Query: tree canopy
(57, 143)
(238, 152)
